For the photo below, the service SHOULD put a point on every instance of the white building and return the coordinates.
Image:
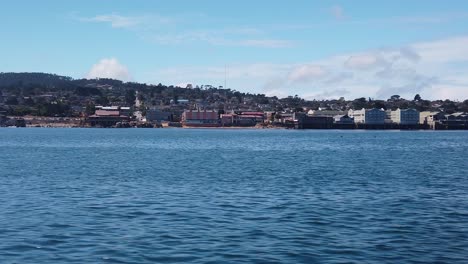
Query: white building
(368, 116)
(405, 116)
(429, 118)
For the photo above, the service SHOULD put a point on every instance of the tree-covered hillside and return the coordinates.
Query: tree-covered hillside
(55, 95)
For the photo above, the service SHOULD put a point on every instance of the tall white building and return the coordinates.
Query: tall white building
(368, 116)
(405, 116)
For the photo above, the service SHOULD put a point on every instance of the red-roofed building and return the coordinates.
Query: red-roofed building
(107, 113)
(107, 118)
(250, 118)
(200, 118)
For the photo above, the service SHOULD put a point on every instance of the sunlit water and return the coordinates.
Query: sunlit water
(232, 196)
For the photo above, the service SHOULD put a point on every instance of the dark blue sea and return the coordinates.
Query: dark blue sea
(232, 196)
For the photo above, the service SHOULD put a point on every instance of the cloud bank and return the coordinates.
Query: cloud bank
(164, 30)
(109, 68)
(435, 69)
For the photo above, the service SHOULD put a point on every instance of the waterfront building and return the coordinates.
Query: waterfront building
(247, 120)
(405, 116)
(3, 117)
(305, 121)
(285, 117)
(155, 115)
(429, 118)
(453, 121)
(228, 119)
(368, 116)
(257, 117)
(200, 118)
(331, 113)
(343, 119)
(388, 117)
(125, 110)
(106, 117)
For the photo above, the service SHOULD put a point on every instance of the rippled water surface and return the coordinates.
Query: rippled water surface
(232, 196)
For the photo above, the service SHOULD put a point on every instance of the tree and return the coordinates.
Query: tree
(379, 105)
(272, 117)
(298, 109)
(11, 101)
(130, 96)
(417, 97)
(359, 103)
(90, 109)
(278, 116)
(103, 100)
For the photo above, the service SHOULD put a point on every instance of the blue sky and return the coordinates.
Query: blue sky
(316, 49)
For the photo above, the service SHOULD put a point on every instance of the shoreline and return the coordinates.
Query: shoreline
(236, 128)
(44, 122)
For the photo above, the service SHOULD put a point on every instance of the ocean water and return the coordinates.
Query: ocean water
(233, 196)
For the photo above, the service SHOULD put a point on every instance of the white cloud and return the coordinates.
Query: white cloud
(365, 61)
(442, 51)
(221, 38)
(167, 31)
(306, 73)
(109, 68)
(135, 23)
(409, 54)
(116, 21)
(434, 69)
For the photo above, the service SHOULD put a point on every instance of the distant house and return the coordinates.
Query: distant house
(368, 116)
(405, 116)
(200, 118)
(180, 101)
(125, 110)
(77, 109)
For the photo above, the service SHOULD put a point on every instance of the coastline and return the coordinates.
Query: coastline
(228, 128)
(76, 122)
